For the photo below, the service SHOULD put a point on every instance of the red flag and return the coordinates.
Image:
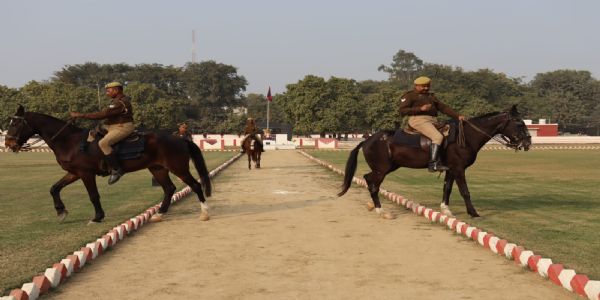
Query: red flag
(269, 97)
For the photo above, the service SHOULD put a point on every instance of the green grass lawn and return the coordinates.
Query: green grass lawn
(547, 201)
(32, 239)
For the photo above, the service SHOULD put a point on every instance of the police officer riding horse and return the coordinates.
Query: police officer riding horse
(422, 108)
(118, 123)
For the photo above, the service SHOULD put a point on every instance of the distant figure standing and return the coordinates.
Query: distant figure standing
(183, 132)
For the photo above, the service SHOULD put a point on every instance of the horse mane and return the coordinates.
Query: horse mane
(491, 114)
(54, 120)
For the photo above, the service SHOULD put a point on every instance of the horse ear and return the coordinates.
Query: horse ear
(20, 110)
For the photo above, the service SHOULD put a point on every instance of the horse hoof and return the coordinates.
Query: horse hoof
(204, 216)
(63, 215)
(92, 222)
(475, 215)
(156, 217)
(370, 206)
(388, 216)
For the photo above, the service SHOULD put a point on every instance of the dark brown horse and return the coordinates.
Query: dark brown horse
(253, 148)
(384, 157)
(163, 153)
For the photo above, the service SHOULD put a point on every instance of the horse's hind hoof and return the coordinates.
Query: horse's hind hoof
(92, 222)
(63, 215)
(370, 206)
(388, 216)
(204, 216)
(157, 217)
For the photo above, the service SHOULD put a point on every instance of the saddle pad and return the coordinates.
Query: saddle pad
(130, 149)
(403, 138)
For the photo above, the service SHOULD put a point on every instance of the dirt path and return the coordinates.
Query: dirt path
(281, 233)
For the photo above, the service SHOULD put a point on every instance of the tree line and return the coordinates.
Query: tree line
(210, 96)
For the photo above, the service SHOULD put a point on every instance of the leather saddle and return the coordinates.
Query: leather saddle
(130, 147)
(410, 137)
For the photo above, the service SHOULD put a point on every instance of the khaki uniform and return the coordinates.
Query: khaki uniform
(119, 122)
(422, 121)
(251, 129)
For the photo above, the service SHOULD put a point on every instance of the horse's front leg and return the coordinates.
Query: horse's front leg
(461, 181)
(89, 180)
(448, 183)
(249, 161)
(55, 192)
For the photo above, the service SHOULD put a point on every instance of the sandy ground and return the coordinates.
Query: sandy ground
(281, 233)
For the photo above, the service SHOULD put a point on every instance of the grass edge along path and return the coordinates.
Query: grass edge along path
(60, 271)
(545, 267)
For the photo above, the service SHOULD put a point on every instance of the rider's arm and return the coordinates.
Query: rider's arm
(113, 110)
(445, 109)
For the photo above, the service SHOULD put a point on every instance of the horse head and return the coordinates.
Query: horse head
(19, 131)
(515, 130)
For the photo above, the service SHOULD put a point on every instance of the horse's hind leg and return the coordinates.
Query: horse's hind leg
(55, 192)
(197, 188)
(162, 177)
(249, 160)
(374, 180)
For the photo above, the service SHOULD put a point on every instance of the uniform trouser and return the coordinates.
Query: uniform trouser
(116, 133)
(424, 125)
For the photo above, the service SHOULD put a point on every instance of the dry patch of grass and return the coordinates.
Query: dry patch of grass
(31, 238)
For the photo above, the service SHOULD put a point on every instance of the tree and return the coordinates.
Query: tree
(572, 95)
(215, 90)
(405, 66)
(9, 102)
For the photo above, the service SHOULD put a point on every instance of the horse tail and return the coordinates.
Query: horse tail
(200, 164)
(350, 169)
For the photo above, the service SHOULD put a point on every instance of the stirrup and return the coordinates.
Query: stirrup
(436, 166)
(114, 177)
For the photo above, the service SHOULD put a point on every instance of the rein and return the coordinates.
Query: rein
(28, 146)
(502, 139)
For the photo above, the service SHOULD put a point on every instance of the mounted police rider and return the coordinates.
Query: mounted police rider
(251, 129)
(118, 122)
(422, 108)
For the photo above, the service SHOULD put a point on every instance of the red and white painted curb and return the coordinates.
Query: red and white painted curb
(566, 278)
(68, 266)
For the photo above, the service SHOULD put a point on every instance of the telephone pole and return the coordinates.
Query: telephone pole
(193, 46)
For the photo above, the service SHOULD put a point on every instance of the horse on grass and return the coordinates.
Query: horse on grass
(253, 148)
(162, 154)
(384, 157)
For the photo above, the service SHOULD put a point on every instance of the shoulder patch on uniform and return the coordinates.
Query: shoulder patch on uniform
(403, 99)
(111, 106)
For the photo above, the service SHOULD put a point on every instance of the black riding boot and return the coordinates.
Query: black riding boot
(434, 159)
(113, 163)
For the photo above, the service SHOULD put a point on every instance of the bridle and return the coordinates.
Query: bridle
(500, 138)
(27, 146)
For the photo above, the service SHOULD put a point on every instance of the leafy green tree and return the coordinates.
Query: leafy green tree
(404, 67)
(9, 103)
(572, 96)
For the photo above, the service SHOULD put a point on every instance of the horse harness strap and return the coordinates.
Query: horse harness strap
(502, 140)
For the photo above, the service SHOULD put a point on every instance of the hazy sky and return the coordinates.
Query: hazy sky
(279, 42)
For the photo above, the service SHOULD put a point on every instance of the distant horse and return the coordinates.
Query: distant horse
(384, 157)
(163, 153)
(253, 148)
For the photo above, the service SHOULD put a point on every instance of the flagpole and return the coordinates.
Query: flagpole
(268, 110)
